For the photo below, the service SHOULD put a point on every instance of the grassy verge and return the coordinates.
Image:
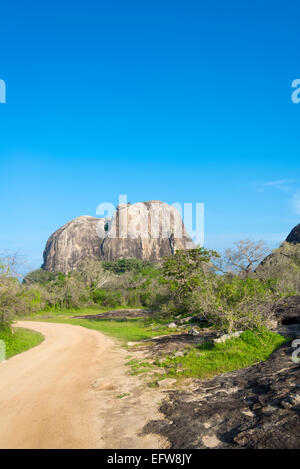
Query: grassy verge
(211, 359)
(20, 340)
(123, 329)
(203, 361)
(69, 313)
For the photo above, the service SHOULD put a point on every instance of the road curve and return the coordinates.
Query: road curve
(64, 394)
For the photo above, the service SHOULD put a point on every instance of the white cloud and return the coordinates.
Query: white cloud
(280, 184)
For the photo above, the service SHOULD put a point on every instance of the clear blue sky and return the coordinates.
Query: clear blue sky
(182, 101)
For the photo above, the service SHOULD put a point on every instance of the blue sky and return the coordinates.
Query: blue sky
(182, 101)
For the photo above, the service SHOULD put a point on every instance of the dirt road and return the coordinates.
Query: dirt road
(65, 393)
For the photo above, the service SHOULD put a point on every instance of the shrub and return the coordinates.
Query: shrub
(108, 298)
(120, 266)
(283, 267)
(42, 277)
(238, 304)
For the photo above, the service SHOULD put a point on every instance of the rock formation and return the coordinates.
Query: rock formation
(72, 243)
(291, 242)
(145, 230)
(294, 236)
(256, 407)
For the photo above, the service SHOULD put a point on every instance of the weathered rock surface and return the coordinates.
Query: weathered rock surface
(72, 243)
(256, 407)
(146, 230)
(287, 310)
(287, 316)
(294, 236)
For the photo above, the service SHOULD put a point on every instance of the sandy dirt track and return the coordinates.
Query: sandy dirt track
(63, 394)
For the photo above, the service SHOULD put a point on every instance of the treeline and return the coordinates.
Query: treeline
(236, 290)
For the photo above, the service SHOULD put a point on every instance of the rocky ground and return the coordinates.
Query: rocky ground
(115, 314)
(256, 407)
(173, 343)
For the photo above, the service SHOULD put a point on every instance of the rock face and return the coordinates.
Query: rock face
(287, 310)
(294, 236)
(72, 243)
(256, 407)
(145, 230)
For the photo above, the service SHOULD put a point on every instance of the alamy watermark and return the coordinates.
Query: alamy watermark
(152, 220)
(296, 93)
(2, 91)
(2, 351)
(296, 352)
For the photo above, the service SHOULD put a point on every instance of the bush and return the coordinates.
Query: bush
(283, 266)
(42, 277)
(237, 304)
(108, 298)
(120, 266)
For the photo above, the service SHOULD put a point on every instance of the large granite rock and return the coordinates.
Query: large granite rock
(294, 236)
(145, 230)
(72, 243)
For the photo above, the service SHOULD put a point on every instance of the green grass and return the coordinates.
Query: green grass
(126, 330)
(20, 340)
(210, 359)
(139, 366)
(204, 361)
(125, 394)
(123, 329)
(68, 313)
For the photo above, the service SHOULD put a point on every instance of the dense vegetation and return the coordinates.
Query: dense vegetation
(232, 291)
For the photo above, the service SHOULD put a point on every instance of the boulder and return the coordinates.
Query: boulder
(223, 338)
(72, 243)
(145, 230)
(172, 325)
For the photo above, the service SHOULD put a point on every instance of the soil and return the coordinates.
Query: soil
(74, 391)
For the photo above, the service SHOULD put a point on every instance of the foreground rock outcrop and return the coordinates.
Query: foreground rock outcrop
(287, 311)
(145, 230)
(256, 407)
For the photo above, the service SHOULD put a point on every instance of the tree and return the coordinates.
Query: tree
(131, 264)
(40, 276)
(243, 258)
(283, 265)
(239, 304)
(9, 289)
(185, 270)
(93, 273)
